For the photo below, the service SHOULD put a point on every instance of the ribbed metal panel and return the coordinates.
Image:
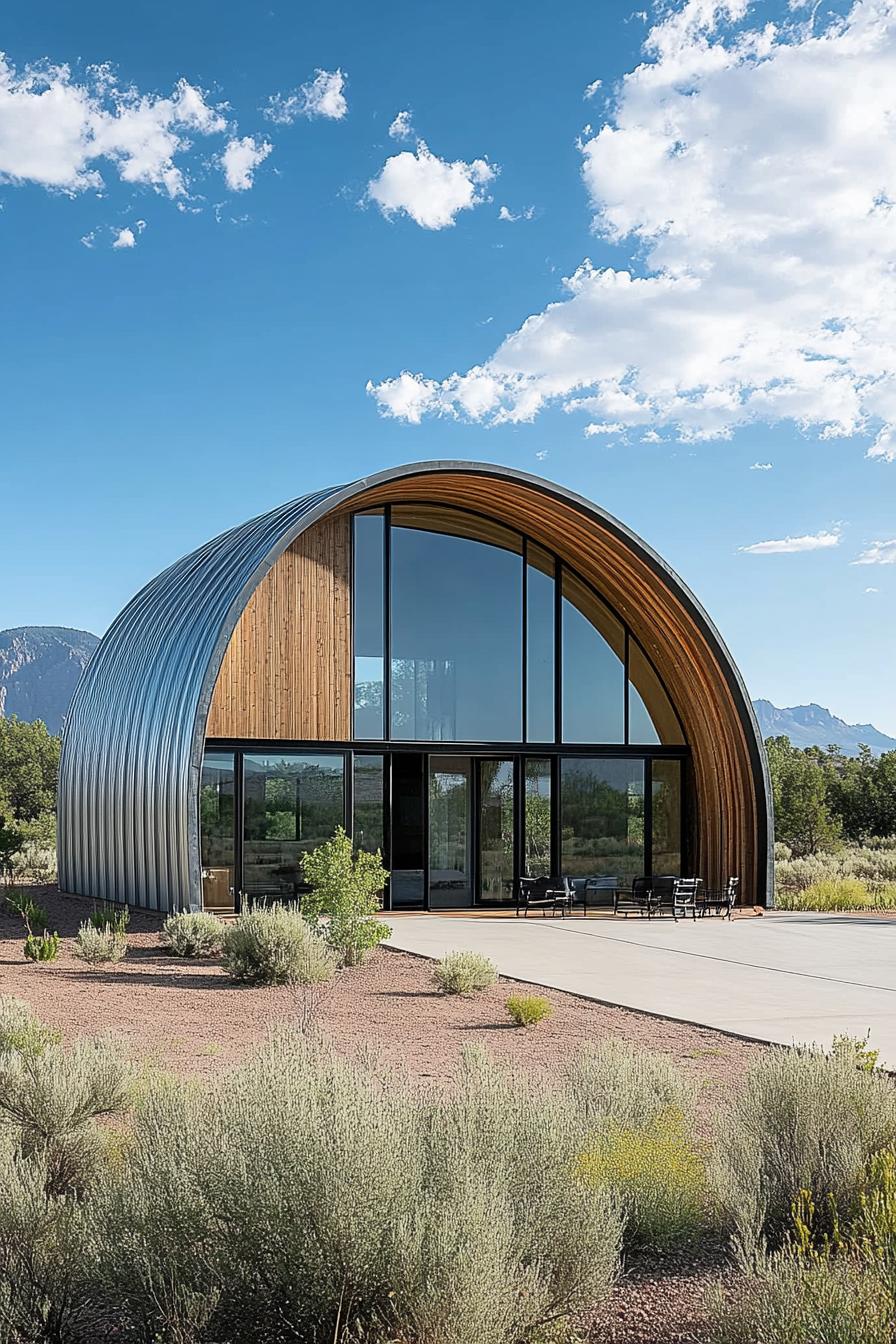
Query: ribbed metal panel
(132, 750)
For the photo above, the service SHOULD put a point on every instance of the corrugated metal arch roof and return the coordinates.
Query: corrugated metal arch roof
(133, 742)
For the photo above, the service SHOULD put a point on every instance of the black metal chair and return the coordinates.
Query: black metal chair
(638, 901)
(547, 893)
(686, 897)
(721, 902)
(662, 893)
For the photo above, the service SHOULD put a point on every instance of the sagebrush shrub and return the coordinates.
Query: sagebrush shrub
(111, 915)
(96, 946)
(528, 1009)
(659, 1174)
(803, 1120)
(274, 945)
(193, 934)
(464, 973)
(616, 1083)
(21, 1030)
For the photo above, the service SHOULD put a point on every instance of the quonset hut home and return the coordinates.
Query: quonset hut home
(476, 671)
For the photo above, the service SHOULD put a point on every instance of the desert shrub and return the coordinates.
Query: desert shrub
(526, 1010)
(345, 896)
(872, 863)
(659, 1174)
(96, 946)
(42, 947)
(804, 1120)
(855, 1050)
(32, 915)
(193, 934)
(274, 946)
(112, 916)
(838, 893)
(464, 973)
(615, 1083)
(21, 1030)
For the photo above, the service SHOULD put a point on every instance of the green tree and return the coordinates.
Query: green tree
(345, 896)
(801, 784)
(29, 768)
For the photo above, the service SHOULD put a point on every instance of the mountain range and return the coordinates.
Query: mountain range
(40, 666)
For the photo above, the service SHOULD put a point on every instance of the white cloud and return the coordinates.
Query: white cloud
(241, 158)
(872, 590)
(428, 189)
(613, 427)
(878, 553)
(322, 96)
(127, 237)
(761, 466)
(57, 132)
(510, 218)
(541, 454)
(752, 171)
(88, 239)
(818, 541)
(592, 88)
(401, 128)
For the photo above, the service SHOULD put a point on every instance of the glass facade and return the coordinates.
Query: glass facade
(602, 817)
(292, 803)
(505, 724)
(496, 830)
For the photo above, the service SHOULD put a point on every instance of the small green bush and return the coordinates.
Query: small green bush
(659, 1174)
(112, 916)
(274, 945)
(464, 973)
(32, 915)
(21, 1030)
(42, 947)
(856, 1050)
(528, 1009)
(839, 894)
(345, 896)
(193, 934)
(96, 946)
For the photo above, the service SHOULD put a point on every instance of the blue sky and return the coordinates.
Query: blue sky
(738, 308)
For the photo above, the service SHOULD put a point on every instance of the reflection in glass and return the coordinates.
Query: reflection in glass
(450, 876)
(537, 837)
(539, 645)
(456, 637)
(667, 817)
(651, 718)
(367, 803)
(602, 817)
(593, 667)
(292, 804)
(407, 827)
(216, 830)
(369, 619)
(496, 830)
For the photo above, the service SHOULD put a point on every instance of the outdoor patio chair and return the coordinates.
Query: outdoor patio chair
(662, 893)
(548, 893)
(686, 896)
(721, 902)
(638, 901)
(605, 889)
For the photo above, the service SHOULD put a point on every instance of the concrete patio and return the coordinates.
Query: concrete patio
(789, 978)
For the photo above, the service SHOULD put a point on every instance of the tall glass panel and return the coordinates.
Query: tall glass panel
(450, 866)
(602, 817)
(457, 643)
(216, 830)
(667, 817)
(651, 718)
(407, 831)
(496, 814)
(367, 803)
(537, 819)
(368, 618)
(593, 667)
(539, 645)
(292, 803)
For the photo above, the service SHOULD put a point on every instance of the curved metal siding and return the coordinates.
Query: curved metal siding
(133, 743)
(132, 750)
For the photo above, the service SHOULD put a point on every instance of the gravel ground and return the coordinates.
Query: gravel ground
(188, 1016)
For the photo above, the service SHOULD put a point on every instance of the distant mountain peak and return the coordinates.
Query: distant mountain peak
(40, 666)
(814, 726)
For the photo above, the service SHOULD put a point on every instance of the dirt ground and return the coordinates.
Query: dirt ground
(188, 1016)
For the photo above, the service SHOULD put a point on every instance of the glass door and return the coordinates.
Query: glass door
(496, 825)
(450, 847)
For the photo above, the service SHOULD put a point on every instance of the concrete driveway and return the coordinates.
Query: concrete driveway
(790, 978)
